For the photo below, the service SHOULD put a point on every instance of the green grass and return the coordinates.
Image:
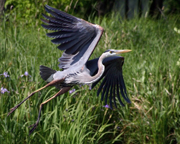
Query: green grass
(151, 73)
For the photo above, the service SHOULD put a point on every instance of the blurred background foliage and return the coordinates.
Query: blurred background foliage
(30, 10)
(172, 6)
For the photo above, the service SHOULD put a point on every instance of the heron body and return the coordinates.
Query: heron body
(77, 39)
(80, 75)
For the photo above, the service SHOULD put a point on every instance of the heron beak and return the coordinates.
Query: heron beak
(122, 51)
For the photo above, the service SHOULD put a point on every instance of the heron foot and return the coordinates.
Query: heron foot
(34, 127)
(13, 109)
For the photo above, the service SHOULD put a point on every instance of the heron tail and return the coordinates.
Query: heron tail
(46, 72)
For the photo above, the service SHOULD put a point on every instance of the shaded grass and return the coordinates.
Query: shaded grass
(150, 71)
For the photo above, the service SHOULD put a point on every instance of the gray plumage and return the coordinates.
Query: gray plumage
(77, 39)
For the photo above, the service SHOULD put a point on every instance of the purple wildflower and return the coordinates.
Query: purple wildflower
(89, 87)
(72, 120)
(3, 90)
(26, 74)
(5, 74)
(106, 106)
(71, 91)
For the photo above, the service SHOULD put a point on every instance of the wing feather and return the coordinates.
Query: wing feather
(65, 42)
(77, 38)
(55, 28)
(110, 97)
(122, 88)
(79, 45)
(114, 94)
(58, 15)
(56, 21)
(62, 14)
(101, 86)
(107, 91)
(112, 85)
(59, 34)
(104, 90)
(118, 96)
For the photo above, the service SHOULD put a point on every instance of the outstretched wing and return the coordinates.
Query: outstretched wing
(77, 38)
(112, 84)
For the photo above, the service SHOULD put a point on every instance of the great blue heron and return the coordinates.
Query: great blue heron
(78, 38)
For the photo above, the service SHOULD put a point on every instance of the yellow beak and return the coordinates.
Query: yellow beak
(122, 51)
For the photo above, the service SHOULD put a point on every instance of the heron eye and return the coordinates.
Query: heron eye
(111, 52)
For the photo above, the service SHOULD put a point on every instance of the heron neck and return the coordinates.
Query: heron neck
(100, 70)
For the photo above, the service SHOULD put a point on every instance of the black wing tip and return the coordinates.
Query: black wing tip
(44, 21)
(47, 6)
(128, 100)
(50, 9)
(62, 14)
(105, 92)
(44, 15)
(46, 26)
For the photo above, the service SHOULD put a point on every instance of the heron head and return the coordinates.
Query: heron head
(112, 52)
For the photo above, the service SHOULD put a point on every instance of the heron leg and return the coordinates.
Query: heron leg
(63, 90)
(54, 82)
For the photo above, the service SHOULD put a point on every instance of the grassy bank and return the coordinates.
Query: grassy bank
(151, 73)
